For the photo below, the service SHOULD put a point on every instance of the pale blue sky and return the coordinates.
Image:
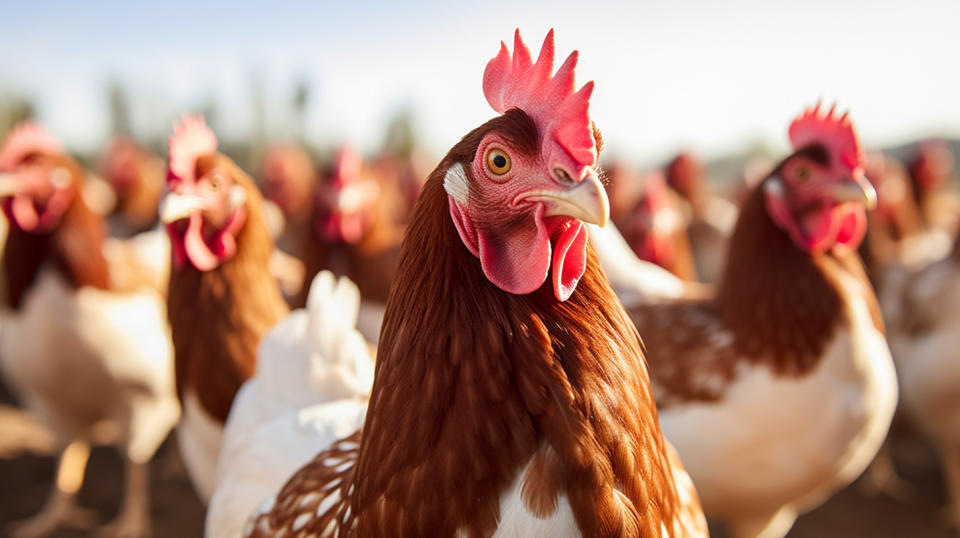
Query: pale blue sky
(711, 76)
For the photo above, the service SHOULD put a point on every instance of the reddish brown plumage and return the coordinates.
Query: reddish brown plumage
(472, 382)
(775, 304)
(217, 317)
(74, 247)
(370, 262)
(137, 177)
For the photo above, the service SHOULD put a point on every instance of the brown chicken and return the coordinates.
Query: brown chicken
(136, 177)
(656, 229)
(222, 295)
(779, 391)
(510, 395)
(711, 217)
(354, 234)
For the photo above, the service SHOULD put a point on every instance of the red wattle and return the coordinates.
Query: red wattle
(199, 254)
(569, 258)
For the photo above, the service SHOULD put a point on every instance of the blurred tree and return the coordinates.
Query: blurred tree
(119, 108)
(14, 109)
(301, 100)
(401, 136)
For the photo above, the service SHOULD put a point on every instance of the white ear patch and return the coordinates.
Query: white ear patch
(774, 186)
(455, 183)
(237, 196)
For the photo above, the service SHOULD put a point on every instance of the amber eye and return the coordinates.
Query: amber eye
(498, 161)
(215, 183)
(802, 173)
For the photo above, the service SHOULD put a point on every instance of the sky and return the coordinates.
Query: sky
(707, 76)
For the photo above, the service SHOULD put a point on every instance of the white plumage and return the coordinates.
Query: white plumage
(97, 367)
(314, 374)
(780, 446)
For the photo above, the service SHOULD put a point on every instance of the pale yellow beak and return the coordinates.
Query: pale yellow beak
(859, 190)
(176, 207)
(585, 201)
(9, 185)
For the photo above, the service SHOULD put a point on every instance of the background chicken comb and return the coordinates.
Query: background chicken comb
(346, 166)
(561, 114)
(191, 138)
(836, 132)
(26, 138)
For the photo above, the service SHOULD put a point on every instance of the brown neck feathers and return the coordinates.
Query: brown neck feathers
(473, 383)
(781, 303)
(217, 317)
(74, 248)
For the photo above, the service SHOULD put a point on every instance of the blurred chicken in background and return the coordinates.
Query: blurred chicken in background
(222, 296)
(931, 170)
(711, 217)
(136, 177)
(289, 179)
(355, 234)
(656, 229)
(779, 391)
(85, 344)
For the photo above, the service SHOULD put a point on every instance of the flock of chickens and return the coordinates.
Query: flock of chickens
(494, 358)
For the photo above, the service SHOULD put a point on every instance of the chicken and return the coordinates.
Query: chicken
(657, 229)
(711, 217)
(897, 235)
(135, 176)
(222, 297)
(354, 235)
(778, 391)
(931, 170)
(510, 396)
(93, 363)
(920, 308)
(289, 179)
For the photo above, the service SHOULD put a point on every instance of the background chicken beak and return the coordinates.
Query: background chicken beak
(585, 201)
(176, 207)
(857, 190)
(9, 185)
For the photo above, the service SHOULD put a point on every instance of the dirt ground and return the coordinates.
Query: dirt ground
(177, 512)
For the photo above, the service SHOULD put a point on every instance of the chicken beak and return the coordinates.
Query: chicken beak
(585, 201)
(9, 185)
(857, 190)
(176, 207)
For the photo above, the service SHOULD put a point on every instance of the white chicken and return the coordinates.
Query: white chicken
(94, 363)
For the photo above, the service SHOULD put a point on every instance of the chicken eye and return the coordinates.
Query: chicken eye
(498, 161)
(215, 183)
(802, 173)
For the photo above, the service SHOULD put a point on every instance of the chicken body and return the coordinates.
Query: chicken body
(778, 391)
(222, 297)
(504, 402)
(86, 345)
(920, 309)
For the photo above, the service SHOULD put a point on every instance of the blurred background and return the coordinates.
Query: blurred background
(718, 80)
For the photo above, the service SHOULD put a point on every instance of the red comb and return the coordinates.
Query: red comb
(26, 138)
(656, 196)
(835, 132)
(561, 114)
(191, 138)
(346, 166)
